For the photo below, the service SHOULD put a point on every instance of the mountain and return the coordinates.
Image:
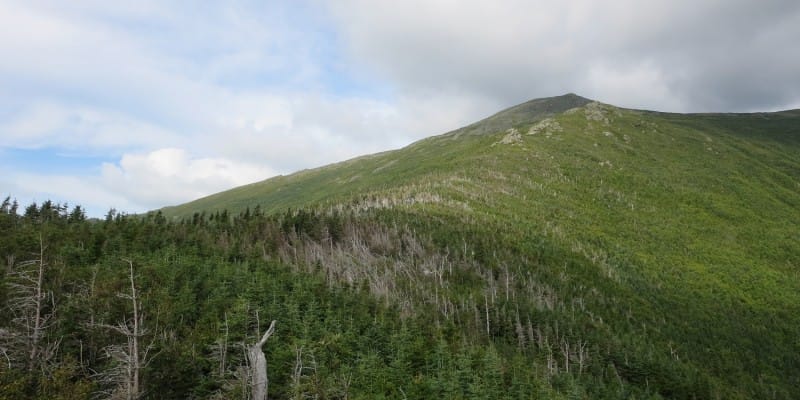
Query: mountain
(667, 242)
(607, 134)
(271, 195)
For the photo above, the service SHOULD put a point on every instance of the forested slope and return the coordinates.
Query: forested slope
(560, 249)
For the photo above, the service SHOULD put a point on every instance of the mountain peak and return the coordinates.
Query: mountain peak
(546, 105)
(524, 113)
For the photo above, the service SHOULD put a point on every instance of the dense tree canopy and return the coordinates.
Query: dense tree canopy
(368, 304)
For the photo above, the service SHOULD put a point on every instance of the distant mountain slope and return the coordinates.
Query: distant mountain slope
(684, 226)
(271, 195)
(383, 170)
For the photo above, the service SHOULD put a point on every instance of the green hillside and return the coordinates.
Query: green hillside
(684, 225)
(380, 171)
(562, 248)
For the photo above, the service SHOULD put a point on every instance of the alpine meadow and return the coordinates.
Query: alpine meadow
(563, 248)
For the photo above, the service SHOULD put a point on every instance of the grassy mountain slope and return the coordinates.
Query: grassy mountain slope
(341, 180)
(668, 240)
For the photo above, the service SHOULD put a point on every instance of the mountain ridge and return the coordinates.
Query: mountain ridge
(525, 113)
(679, 228)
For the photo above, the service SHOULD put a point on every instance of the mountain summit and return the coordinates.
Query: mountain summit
(525, 113)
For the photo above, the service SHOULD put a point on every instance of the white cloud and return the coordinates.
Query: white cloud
(79, 127)
(622, 86)
(170, 176)
(137, 183)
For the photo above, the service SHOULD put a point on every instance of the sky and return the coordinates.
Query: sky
(136, 105)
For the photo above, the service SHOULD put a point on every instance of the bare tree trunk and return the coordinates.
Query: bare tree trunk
(258, 366)
(38, 324)
(224, 350)
(486, 307)
(130, 358)
(133, 340)
(22, 343)
(297, 373)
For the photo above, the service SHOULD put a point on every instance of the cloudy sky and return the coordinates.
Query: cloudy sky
(141, 104)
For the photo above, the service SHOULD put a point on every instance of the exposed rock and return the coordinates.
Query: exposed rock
(600, 112)
(605, 163)
(547, 126)
(512, 137)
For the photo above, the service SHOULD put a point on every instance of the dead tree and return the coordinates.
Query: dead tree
(258, 366)
(129, 359)
(220, 350)
(33, 309)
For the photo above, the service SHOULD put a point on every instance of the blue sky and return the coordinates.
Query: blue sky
(138, 105)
